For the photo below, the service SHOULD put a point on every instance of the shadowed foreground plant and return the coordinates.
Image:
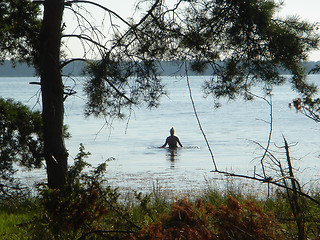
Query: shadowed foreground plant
(204, 221)
(184, 221)
(21, 142)
(77, 206)
(245, 221)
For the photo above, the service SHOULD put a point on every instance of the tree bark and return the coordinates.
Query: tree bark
(55, 152)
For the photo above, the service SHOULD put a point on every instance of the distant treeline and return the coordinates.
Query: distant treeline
(76, 69)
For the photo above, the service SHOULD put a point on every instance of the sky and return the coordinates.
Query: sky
(307, 9)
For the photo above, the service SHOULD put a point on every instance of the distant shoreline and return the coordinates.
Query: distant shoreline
(75, 69)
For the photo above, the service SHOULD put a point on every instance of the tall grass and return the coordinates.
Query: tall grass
(137, 215)
(15, 215)
(86, 208)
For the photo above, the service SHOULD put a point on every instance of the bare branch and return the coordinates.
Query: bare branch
(38, 1)
(268, 180)
(135, 27)
(269, 102)
(197, 117)
(102, 7)
(85, 38)
(118, 91)
(65, 63)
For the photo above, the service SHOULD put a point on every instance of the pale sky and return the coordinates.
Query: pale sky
(307, 9)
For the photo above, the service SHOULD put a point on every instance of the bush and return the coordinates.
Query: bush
(245, 221)
(21, 138)
(77, 206)
(184, 221)
(204, 221)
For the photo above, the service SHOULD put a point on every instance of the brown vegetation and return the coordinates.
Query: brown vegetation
(233, 220)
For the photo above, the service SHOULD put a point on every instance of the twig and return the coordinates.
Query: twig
(100, 6)
(197, 117)
(89, 39)
(270, 129)
(118, 91)
(268, 180)
(129, 117)
(121, 214)
(294, 203)
(66, 62)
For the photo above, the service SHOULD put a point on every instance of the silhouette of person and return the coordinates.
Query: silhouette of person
(172, 140)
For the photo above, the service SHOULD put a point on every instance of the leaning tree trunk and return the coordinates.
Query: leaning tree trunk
(52, 93)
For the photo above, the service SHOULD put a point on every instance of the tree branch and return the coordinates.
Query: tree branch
(100, 6)
(85, 38)
(270, 129)
(118, 91)
(66, 62)
(197, 117)
(268, 180)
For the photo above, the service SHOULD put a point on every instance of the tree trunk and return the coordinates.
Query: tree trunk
(56, 155)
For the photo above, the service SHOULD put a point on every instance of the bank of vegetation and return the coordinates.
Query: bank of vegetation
(250, 39)
(86, 208)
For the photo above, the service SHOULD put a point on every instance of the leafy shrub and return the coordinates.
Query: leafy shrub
(21, 143)
(21, 139)
(245, 221)
(78, 205)
(184, 221)
(204, 221)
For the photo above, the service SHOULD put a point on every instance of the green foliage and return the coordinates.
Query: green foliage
(21, 143)
(77, 206)
(242, 41)
(115, 84)
(206, 221)
(213, 216)
(150, 207)
(20, 29)
(15, 215)
(253, 45)
(245, 221)
(20, 138)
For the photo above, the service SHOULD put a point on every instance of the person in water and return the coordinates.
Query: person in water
(172, 140)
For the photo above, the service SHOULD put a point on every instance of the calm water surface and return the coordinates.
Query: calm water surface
(231, 131)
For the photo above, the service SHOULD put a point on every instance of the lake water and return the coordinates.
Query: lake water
(231, 131)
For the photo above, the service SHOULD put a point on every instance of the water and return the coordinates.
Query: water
(231, 131)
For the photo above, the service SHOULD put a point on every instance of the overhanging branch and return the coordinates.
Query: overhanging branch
(197, 117)
(85, 38)
(65, 63)
(102, 7)
(267, 180)
(118, 91)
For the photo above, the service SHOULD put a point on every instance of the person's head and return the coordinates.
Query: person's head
(172, 131)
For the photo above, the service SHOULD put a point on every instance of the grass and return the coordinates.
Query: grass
(15, 215)
(9, 225)
(85, 208)
(29, 219)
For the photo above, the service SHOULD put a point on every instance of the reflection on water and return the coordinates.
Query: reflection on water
(172, 156)
(230, 131)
